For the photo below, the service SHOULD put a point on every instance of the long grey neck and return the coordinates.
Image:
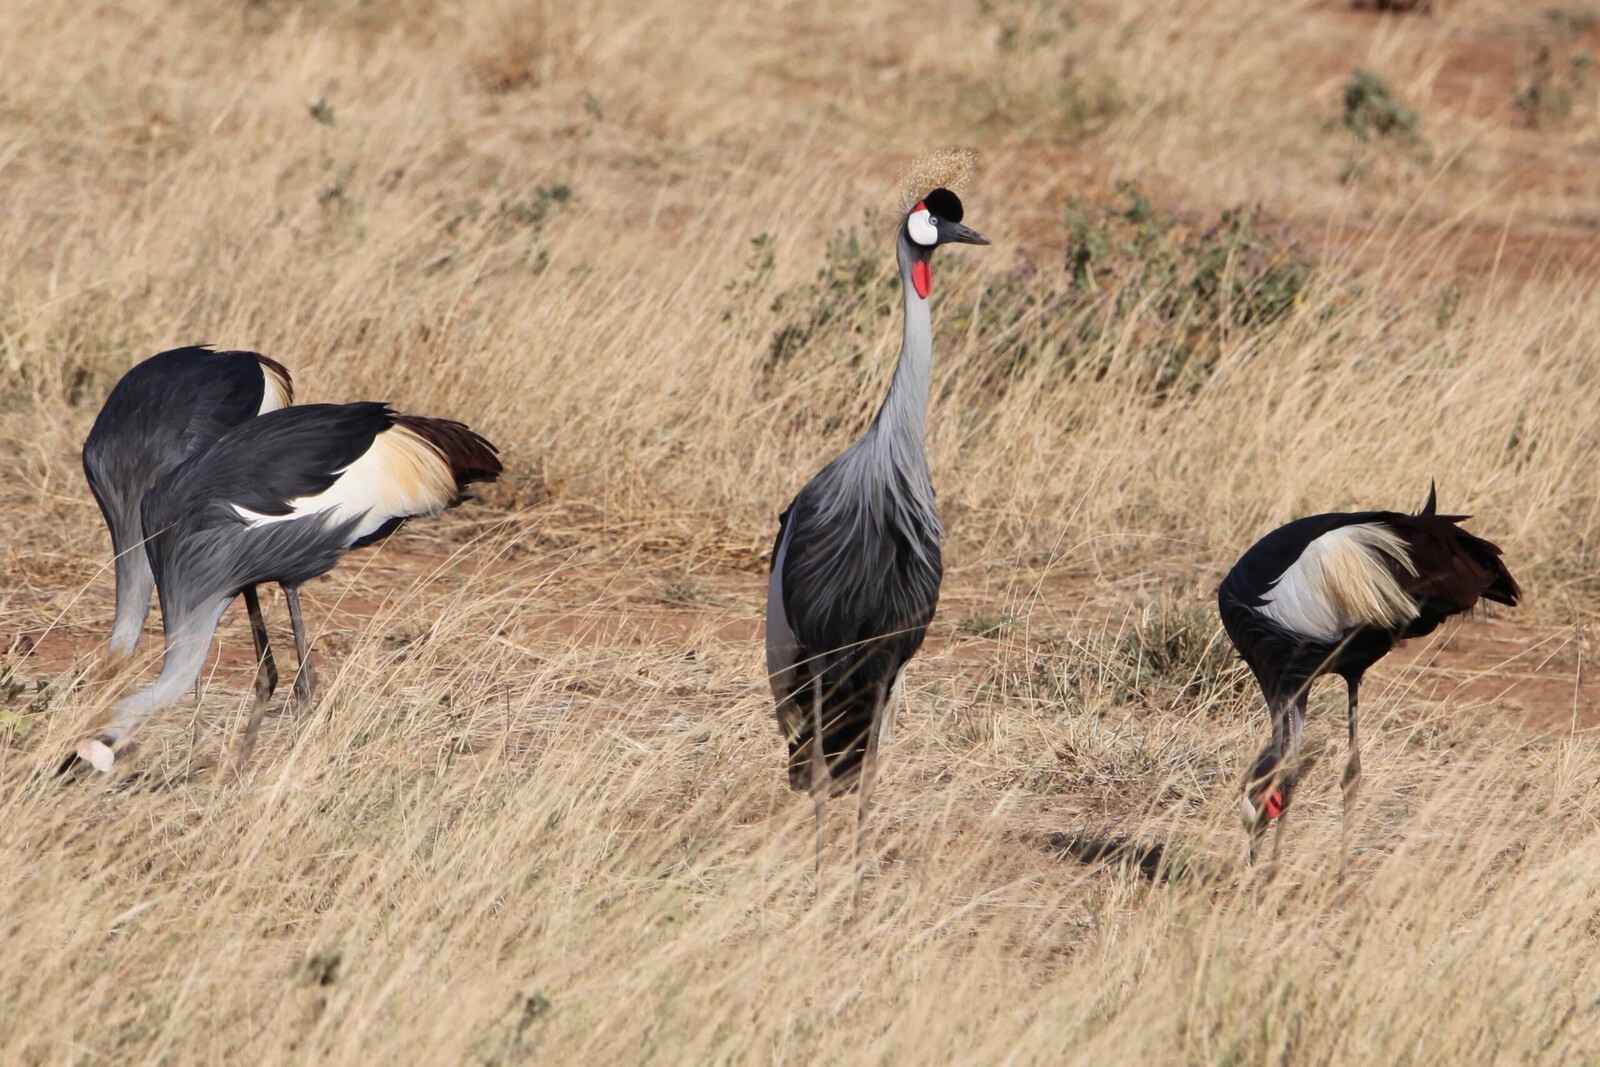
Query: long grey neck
(901, 425)
(134, 585)
(1288, 711)
(188, 641)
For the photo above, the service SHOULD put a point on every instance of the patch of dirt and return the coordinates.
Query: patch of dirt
(1510, 675)
(1502, 671)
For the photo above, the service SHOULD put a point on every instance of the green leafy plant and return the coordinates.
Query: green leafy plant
(1184, 286)
(22, 702)
(1549, 88)
(1382, 124)
(855, 286)
(318, 969)
(322, 112)
(986, 623)
(1179, 285)
(1373, 110)
(753, 279)
(533, 214)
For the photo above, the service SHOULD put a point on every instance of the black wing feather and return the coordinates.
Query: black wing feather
(260, 465)
(160, 413)
(280, 456)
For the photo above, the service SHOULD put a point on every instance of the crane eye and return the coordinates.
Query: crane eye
(932, 221)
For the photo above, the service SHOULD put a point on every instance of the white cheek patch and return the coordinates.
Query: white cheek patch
(921, 230)
(1249, 811)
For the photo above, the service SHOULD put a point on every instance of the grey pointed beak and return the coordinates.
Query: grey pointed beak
(955, 233)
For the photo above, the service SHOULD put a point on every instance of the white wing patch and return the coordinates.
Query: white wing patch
(1341, 581)
(401, 476)
(277, 394)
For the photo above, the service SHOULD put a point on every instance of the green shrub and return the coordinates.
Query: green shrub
(1548, 89)
(857, 285)
(1183, 286)
(1373, 110)
(1179, 647)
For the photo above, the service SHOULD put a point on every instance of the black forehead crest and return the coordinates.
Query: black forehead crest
(943, 204)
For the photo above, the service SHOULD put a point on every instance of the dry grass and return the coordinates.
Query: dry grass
(540, 812)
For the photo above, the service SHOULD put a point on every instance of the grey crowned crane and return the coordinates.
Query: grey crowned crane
(280, 498)
(856, 566)
(160, 413)
(1332, 594)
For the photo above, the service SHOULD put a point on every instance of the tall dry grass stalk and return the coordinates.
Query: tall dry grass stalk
(539, 813)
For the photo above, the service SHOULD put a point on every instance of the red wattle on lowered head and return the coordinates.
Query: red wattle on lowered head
(922, 278)
(1274, 804)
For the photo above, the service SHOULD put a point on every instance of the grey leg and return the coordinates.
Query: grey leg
(1351, 782)
(869, 781)
(266, 667)
(266, 674)
(305, 682)
(247, 744)
(1277, 845)
(821, 779)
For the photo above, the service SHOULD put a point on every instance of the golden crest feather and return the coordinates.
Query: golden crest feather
(949, 167)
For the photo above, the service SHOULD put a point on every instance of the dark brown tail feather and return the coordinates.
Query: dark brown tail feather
(1454, 566)
(1430, 506)
(1504, 589)
(471, 456)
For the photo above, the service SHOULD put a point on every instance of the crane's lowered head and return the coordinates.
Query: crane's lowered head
(1269, 790)
(1266, 796)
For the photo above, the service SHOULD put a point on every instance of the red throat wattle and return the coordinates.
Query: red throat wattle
(1274, 804)
(922, 278)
